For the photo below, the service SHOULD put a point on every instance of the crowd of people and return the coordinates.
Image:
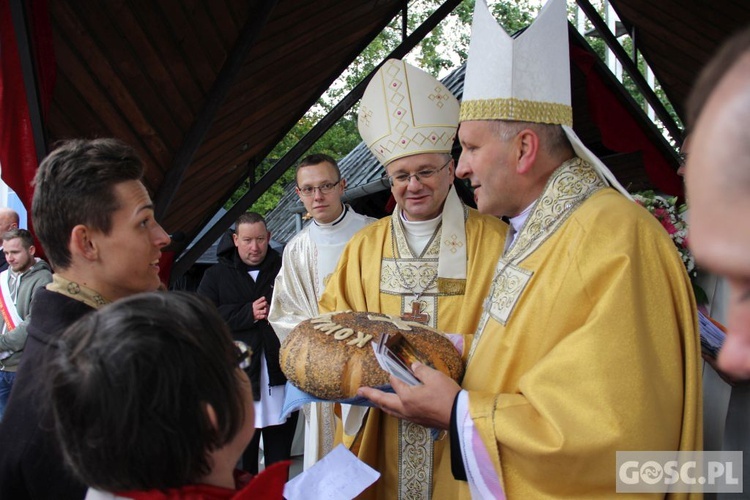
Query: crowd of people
(574, 315)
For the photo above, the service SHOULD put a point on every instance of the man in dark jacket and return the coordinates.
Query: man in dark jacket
(96, 223)
(241, 286)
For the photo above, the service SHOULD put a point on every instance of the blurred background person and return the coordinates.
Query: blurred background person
(149, 401)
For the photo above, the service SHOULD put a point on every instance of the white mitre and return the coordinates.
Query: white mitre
(526, 78)
(406, 111)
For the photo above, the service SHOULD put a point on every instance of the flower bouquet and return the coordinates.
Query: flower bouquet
(672, 218)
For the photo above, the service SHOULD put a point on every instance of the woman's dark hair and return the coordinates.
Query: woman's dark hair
(129, 387)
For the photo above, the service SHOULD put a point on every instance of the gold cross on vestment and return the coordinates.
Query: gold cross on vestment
(416, 313)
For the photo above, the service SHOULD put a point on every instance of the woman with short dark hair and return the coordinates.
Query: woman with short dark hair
(147, 395)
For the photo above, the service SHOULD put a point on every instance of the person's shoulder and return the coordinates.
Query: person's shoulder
(361, 218)
(273, 258)
(215, 273)
(41, 270)
(609, 218)
(485, 221)
(298, 239)
(374, 227)
(607, 206)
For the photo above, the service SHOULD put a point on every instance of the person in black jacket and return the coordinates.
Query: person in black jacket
(95, 220)
(241, 286)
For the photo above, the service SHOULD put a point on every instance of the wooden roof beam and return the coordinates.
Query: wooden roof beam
(214, 100)
(183, 263)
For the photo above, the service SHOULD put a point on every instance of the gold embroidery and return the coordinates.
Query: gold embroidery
(516, 109)
(453, 243)
(416, 274)
(507, 287)
(569, 186)
(415, 461)
(76, 291)
(451, 286)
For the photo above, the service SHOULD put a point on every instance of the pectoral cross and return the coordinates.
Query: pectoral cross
(416, 313)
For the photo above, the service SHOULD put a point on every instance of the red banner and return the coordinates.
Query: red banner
(17, 151)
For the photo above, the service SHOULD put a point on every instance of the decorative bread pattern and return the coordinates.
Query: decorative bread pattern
(330, 356)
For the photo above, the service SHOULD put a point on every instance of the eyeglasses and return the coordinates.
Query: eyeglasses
(244, 353)
(402, 179)
(323, 188)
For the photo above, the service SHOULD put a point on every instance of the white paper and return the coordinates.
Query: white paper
(337, 476)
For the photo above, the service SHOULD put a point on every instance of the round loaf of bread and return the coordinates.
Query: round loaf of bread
(331, 356)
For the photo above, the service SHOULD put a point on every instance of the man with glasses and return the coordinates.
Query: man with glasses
(429, 262)
(308, 261)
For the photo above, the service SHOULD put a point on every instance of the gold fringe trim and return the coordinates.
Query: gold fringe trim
(517, 110)
(451, 286)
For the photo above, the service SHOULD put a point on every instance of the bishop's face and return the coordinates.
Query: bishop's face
(488, 162)
(421, 198)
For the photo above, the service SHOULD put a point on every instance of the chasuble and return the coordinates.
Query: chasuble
(587, 345)
(368, 278)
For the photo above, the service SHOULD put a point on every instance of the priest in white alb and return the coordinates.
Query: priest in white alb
(308, 261)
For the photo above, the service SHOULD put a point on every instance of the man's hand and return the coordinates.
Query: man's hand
(260, 309)
(429, 404)
(734, 358)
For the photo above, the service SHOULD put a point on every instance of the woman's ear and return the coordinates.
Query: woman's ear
(528, 148)
(211, 413)
(81, 243)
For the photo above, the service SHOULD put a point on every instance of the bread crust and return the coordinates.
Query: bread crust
(330, 356)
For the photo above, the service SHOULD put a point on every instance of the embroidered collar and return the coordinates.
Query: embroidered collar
(568, 186)
(75, 291)
(452, 253)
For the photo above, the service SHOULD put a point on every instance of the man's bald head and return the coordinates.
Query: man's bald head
(718, 188)
(8, 219)
(724, 126)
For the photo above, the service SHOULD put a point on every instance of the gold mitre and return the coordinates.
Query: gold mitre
(406, 111)
(524, 79)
